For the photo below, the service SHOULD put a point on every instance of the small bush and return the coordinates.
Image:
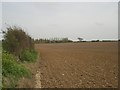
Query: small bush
(28, 55)
(16, 40)
(11, 70)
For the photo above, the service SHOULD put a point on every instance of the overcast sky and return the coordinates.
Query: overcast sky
(89, 20)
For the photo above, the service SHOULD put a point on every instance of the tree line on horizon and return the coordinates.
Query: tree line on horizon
(66, 40)
(53, 40)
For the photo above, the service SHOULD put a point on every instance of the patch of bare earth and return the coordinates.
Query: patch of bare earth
(79, 65)
(38, 80)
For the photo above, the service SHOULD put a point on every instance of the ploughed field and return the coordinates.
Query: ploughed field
(79, 65)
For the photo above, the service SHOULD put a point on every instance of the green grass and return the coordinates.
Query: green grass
(29, 56)
(12, 70)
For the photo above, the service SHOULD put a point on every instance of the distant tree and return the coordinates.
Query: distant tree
(80, 39)
(64, 39)
(95, 40)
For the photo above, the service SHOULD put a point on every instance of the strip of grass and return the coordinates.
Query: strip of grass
(29, 55)
(12, 70)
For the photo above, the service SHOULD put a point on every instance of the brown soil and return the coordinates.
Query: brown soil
(78, 65)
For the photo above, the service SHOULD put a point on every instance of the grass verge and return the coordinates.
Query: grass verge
(29, 55)
(12, 70)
